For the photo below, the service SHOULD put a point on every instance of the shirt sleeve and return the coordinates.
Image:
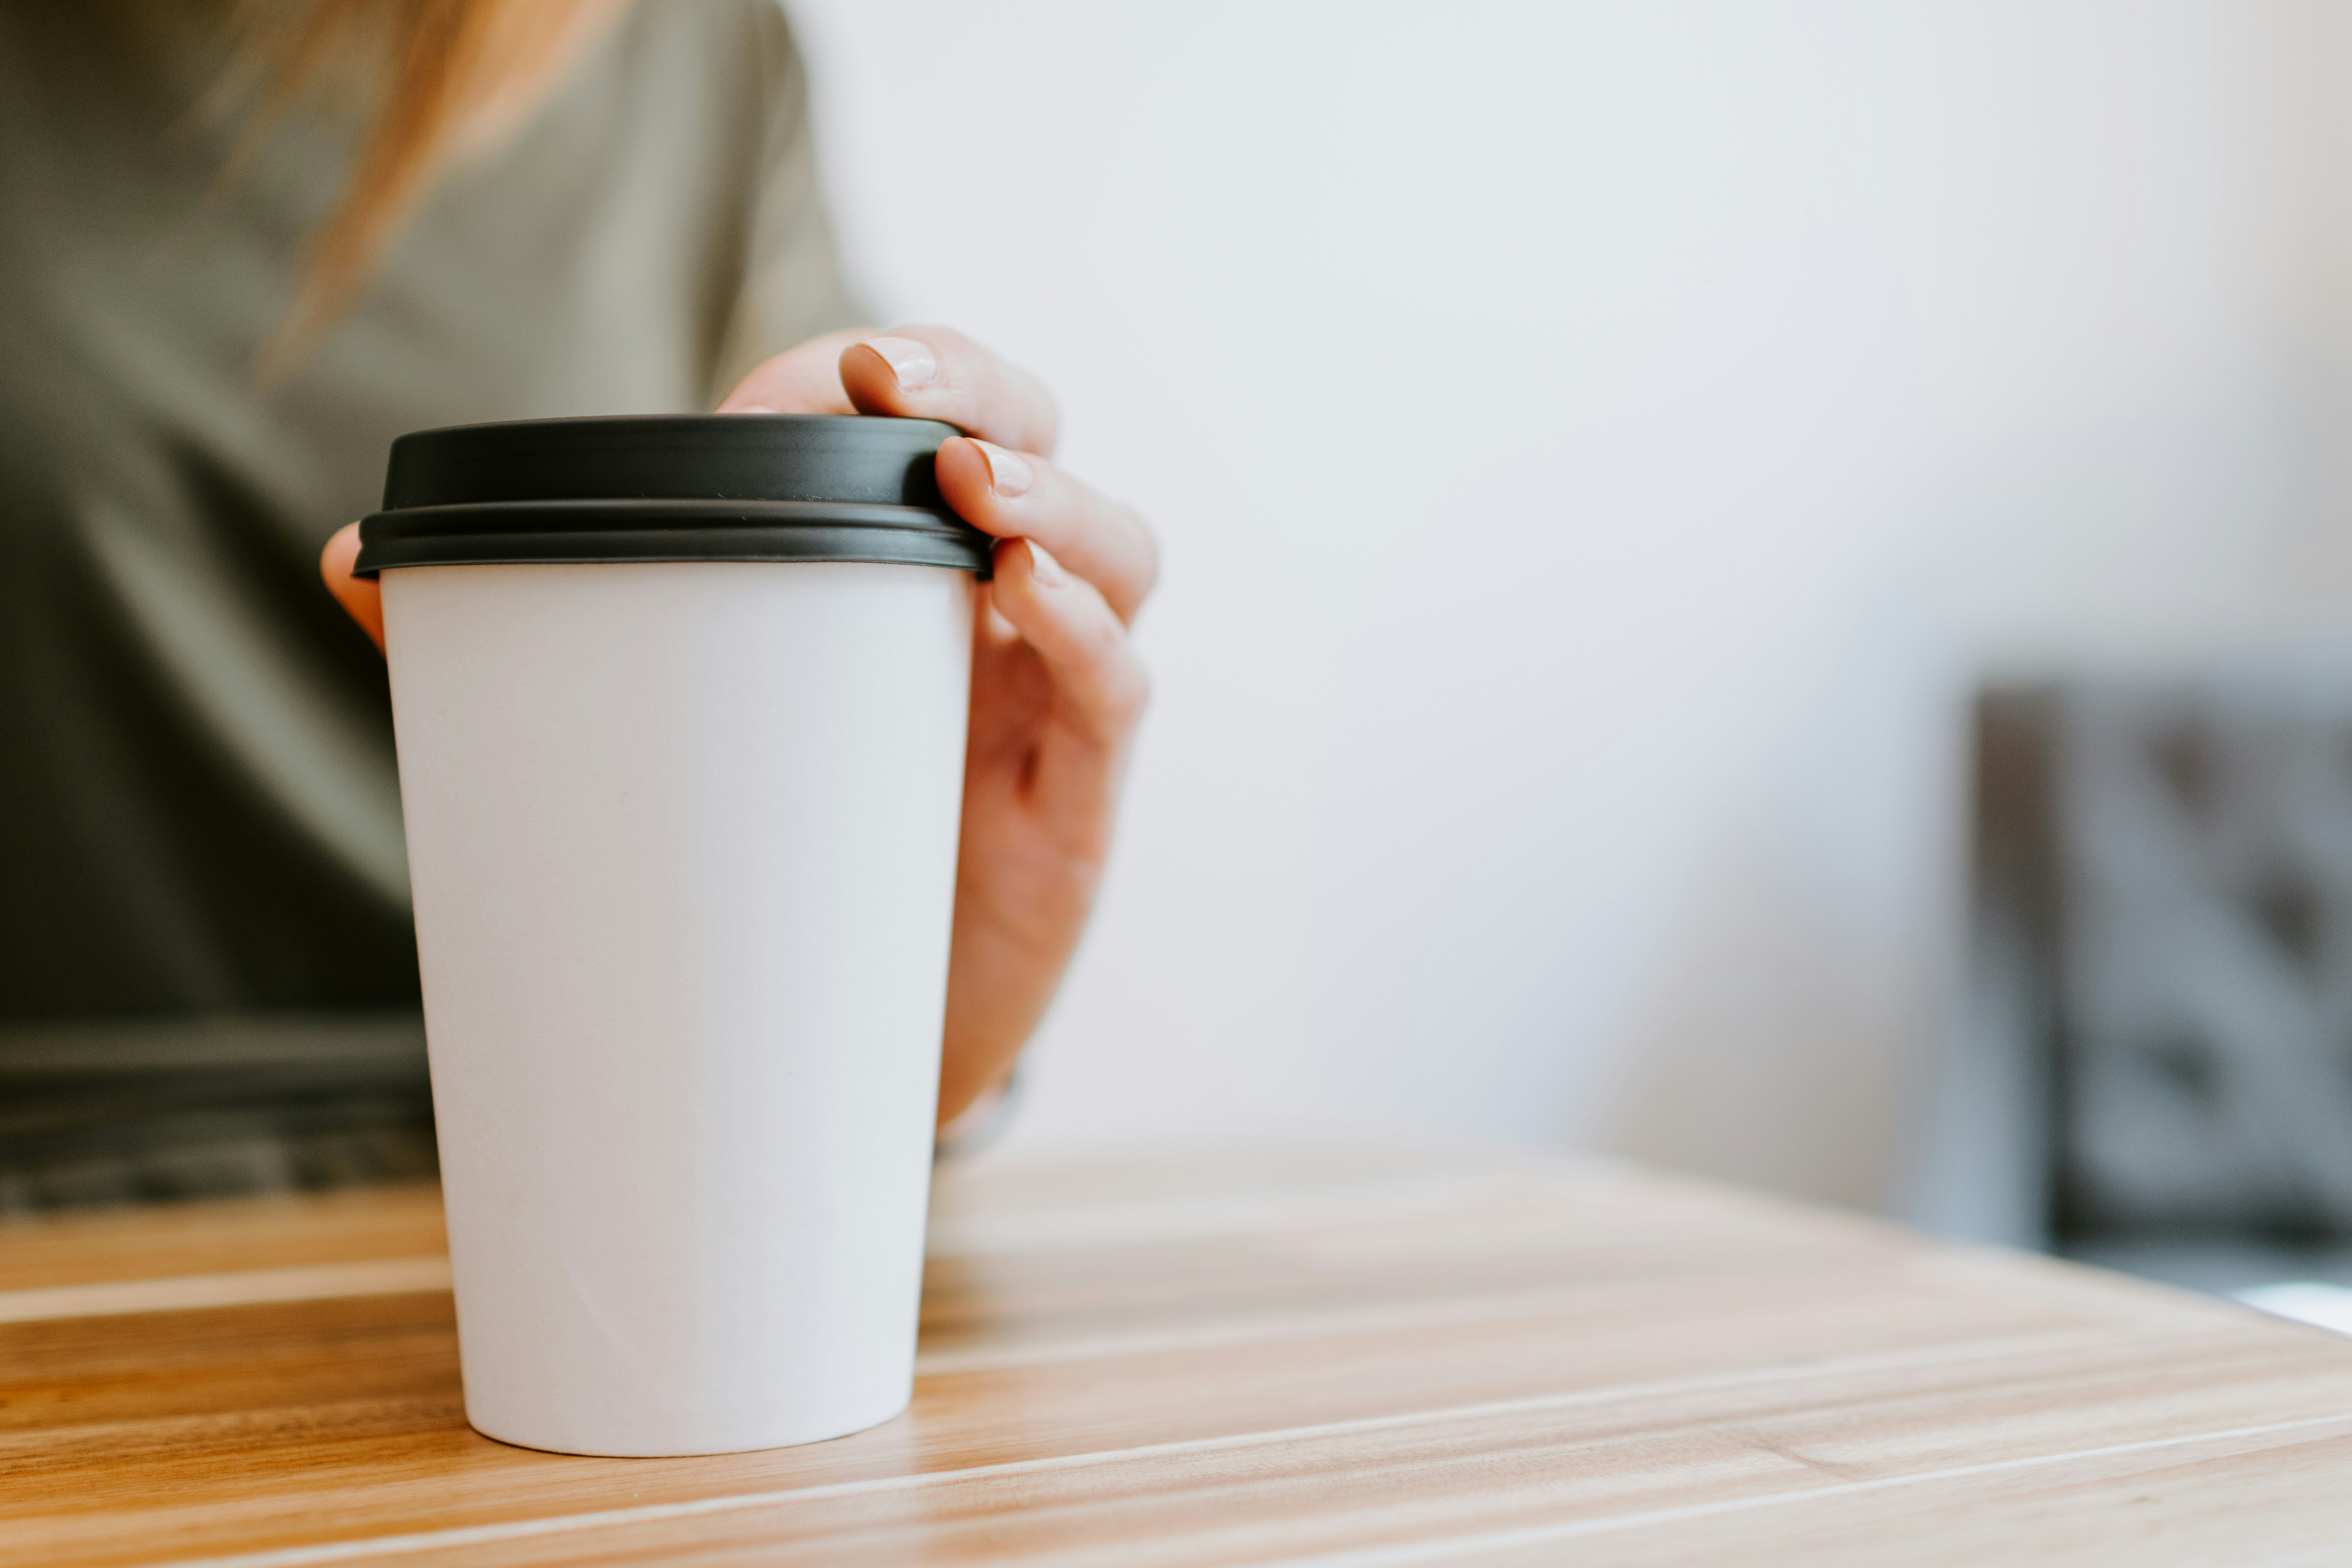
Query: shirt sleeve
(792, 287)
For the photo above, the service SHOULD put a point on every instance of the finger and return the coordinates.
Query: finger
(937, 373)
(1014, 496)
(361, 597)
(1099, 686)
(803, 379)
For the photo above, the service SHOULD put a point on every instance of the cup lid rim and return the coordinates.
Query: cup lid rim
(669, 487)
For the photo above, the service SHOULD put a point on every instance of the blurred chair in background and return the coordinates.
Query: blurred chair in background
(2163, 969)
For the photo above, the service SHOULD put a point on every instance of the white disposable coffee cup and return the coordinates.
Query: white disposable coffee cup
(682, 838)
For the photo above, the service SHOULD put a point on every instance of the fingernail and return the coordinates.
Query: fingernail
(909, 361)
(749, 408)
(1043, 568)
(1007, 475)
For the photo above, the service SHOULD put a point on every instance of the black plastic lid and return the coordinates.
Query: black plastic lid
(732, 487)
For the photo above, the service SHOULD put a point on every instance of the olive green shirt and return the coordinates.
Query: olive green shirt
(207, 972)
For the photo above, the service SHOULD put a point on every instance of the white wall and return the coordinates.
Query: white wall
(1595, 446)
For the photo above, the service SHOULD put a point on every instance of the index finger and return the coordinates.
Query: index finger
(937, 373)
(803, 379)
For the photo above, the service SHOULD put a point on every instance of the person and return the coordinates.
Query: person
(243, 245)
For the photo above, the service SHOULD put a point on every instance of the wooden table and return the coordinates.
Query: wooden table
(1351, 1359)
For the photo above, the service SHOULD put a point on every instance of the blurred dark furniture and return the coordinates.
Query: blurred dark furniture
(2163, 944)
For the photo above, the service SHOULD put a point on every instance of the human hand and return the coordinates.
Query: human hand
(1056, 686)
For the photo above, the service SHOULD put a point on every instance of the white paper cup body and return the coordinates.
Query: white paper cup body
(682, 840)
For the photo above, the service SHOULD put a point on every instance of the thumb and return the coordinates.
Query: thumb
(361, 597)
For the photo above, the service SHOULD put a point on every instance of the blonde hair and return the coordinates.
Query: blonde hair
(443, 79)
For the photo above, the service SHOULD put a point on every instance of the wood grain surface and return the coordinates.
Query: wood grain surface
(1307, 1357)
